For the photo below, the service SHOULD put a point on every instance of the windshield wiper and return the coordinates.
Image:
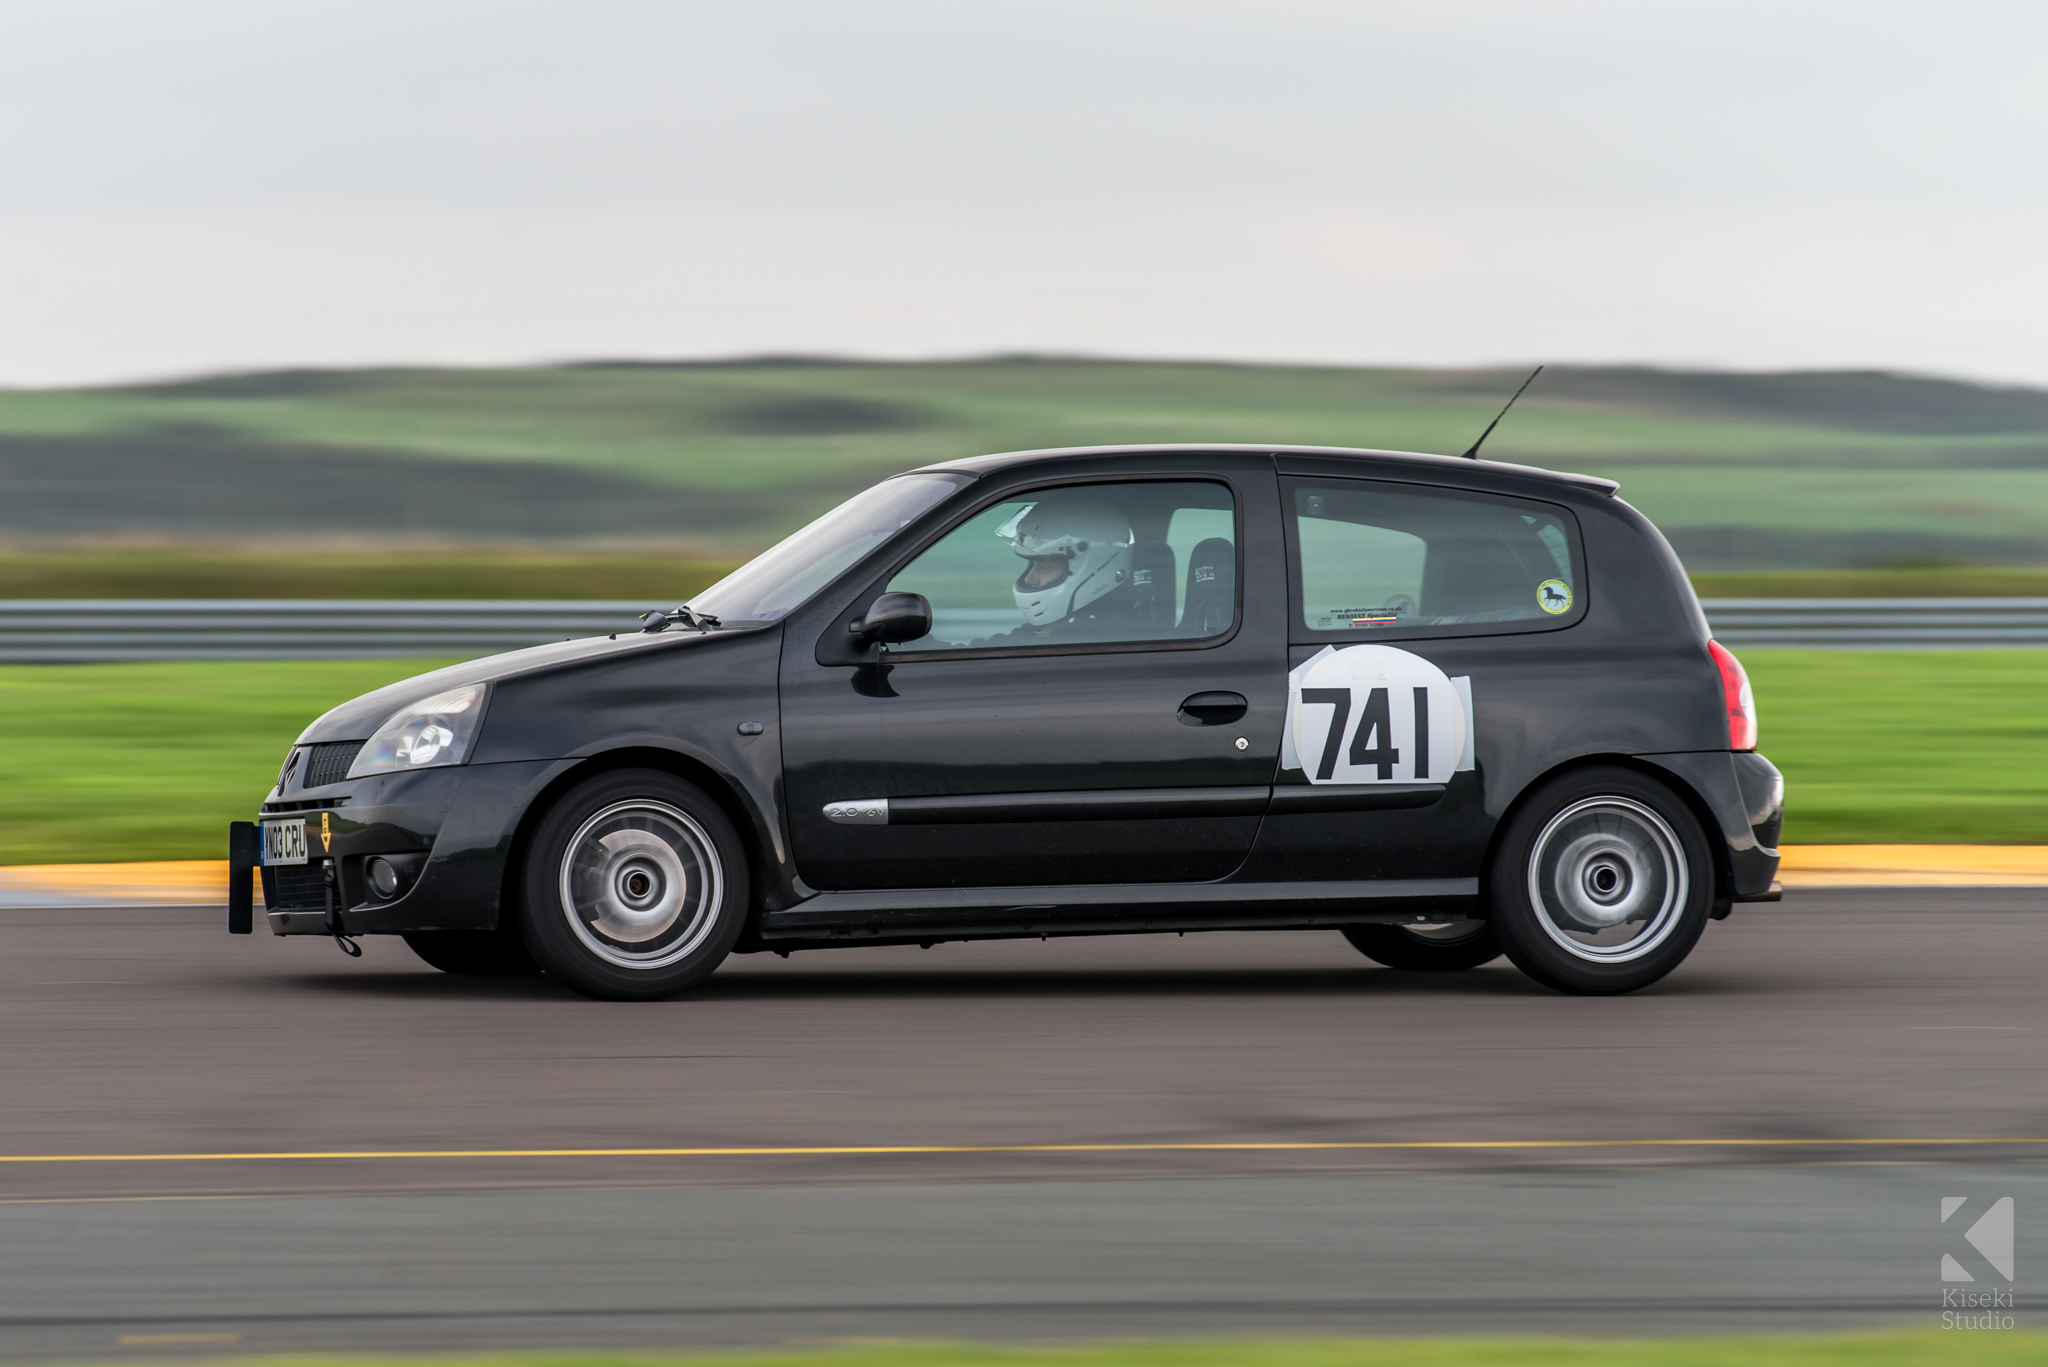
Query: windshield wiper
(687, 615)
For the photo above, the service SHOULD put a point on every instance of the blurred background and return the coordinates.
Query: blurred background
(581, 305)
(582, 295)
(235, 186)
(523, 302)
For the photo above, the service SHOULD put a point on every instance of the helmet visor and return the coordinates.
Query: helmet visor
(1043, 572)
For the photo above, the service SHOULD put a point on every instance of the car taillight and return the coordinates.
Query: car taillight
(1741, 701)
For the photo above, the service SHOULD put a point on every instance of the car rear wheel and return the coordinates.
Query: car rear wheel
(635, 886)
(1445, 948)
(1601, 882)
(474, 953)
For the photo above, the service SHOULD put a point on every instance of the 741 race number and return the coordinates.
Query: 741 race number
(1373, 714)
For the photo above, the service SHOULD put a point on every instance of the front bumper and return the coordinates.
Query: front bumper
(450, 831)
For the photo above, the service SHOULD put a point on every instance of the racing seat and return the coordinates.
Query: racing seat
(1154, 590)
(1212, 588)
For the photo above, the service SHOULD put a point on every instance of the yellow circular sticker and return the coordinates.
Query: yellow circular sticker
(1554, 596)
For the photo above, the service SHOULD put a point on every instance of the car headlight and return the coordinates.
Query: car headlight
(425, 735)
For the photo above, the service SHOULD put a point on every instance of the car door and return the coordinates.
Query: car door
(1422, 623)
(1129, 737)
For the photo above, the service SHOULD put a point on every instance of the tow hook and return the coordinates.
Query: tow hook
(332, 912)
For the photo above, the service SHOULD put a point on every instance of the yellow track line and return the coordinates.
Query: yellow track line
(822, 1151)
(1821, 866)
(206, 880)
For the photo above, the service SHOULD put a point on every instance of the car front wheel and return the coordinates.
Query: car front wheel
(635, 886)
(1601, 883)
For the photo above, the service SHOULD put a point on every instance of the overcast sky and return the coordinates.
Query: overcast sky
(207, 185)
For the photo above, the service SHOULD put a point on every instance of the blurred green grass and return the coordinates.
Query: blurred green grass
(1908, 746)
(150, 761)
(1948, 581)
(1934, 1348)
(1822, 469)
(747, 425)
(517, 572)
(375, 574)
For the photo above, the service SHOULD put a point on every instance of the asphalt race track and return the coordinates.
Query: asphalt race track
(1515, 1191)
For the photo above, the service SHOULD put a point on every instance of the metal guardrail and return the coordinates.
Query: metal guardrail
(1880, 623)
(74, 631)
(69, 631)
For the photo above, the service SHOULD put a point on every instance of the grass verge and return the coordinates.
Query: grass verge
(150, 761)
(480, 573)
(1744, 472)
(1943, 581)
(1922, 747)
(1921, 1349)
(511, 572)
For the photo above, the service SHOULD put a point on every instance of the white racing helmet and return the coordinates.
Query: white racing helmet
(1079, 548)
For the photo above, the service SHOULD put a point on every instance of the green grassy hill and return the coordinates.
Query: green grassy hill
(1744, 472)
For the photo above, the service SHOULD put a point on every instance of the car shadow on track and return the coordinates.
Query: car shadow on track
(1107, 982)
(767, 984)
(427, 986)
(1363, 983)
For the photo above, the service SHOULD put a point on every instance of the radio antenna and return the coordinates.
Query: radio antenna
(1473, 453)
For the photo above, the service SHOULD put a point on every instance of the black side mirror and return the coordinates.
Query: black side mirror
(895, 618)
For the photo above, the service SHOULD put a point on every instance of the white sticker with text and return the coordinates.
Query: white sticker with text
(1376, 714)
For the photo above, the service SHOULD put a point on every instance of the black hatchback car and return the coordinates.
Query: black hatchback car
(1452, 708)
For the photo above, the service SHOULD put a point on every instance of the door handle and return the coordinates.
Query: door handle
(1212, 709)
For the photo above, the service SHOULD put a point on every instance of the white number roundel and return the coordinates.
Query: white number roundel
(1373, 714)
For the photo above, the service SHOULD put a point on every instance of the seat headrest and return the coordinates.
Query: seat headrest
(1212, 588)
(1155, 588)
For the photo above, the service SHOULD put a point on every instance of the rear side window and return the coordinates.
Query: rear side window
(1375, 560)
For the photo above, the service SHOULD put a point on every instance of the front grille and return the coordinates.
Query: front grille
(311, 804)
(329, 762)
(299, 887)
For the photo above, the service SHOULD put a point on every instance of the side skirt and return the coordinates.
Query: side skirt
(917, 914)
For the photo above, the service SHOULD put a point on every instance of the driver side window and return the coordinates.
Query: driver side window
(1082, 564)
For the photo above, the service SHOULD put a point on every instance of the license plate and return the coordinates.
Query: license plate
(284, 842)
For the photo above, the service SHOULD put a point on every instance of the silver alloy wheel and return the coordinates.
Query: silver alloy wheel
(1608, 879)
(641, 884)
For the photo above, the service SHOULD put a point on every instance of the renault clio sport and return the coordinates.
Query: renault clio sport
(1451, 708)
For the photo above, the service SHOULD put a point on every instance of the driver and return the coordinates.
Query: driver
(1076, 584)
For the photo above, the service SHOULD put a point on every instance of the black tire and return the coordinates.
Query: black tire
(634, 887)
(1601, 882)
(1461, 946)
(474, 953)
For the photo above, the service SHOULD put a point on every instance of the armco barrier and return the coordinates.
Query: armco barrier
(70, 631)
(1880, 623)
(79, 631)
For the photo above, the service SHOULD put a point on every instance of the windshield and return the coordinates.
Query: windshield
(778, 580)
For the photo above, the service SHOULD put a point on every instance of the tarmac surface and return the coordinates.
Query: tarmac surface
(1746, 1146)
